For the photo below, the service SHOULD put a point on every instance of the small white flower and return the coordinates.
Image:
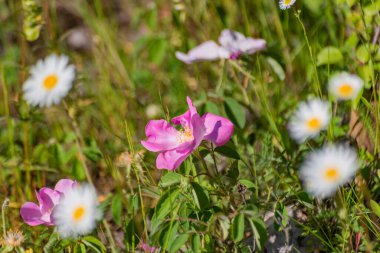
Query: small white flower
(309, 120)
(50, 80)
(345, 86)
(77, 212)
(286, 4)
(326, 169)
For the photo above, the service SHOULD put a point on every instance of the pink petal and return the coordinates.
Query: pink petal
(228, 39)
(185, 119)
(161, 136)
(31, 214)
(65, 185)
(237, 43)
(218, 129)
(48, 198)
(208, 50)
(251, 46)
(170, 160)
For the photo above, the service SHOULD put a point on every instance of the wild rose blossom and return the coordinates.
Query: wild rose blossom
(48, 199)
(174, 146)
(233, 44)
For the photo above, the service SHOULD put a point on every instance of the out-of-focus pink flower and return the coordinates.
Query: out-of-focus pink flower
(174, 146)
(146, 248)
(34, 214)
(232, 45)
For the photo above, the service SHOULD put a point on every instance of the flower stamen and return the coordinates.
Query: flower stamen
(185, 135)
(331, 174)
(50, 82)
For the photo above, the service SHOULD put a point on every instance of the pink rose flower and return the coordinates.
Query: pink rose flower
(232, 45)
(174, 146)
(34, 214)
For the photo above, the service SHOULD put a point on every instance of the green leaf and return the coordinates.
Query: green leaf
(196, 243)
(362, 53)
(238, 228)
(117, 209)
(375, 208)
(130, 237)
(228, 150)
(276, 68)
(178, 243)
(259, 231)
(170, 178)
(329, 55)
(94, 243)
(50, 245)
(32, 19)
(200, 196)
(235, 112)
(212, 107)
(165, 204)
(157, 50)
(247, 183)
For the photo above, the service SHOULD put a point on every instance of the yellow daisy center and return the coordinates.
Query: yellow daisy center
(287, 2)
(331, 174)
(314, 123)
(50, 82)
(78, 213)
(185, 135)
(345, 90)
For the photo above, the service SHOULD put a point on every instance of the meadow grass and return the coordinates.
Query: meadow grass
(231, 198)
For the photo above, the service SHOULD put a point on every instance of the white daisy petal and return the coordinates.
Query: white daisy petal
(345, 86)
(49, 81)
(286, 4)
(325, 170)
(309, 120)
(78, 212)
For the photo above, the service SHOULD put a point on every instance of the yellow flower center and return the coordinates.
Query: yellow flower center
(287, 2)
(314, 124)
(50, 82)
(331, 174)
(345, 90)
(79, 213)
(185, 135)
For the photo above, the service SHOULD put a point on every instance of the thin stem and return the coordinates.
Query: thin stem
(5, 205)
(317, 86)
(79, 142)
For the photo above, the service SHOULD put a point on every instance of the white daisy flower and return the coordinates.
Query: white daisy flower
(326, 169)
(77, 212)
(286, 4)
(309, 120)
(50, 80)
(345, 86)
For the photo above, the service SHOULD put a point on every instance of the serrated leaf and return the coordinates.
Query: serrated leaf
(235, 112)
(329, 55)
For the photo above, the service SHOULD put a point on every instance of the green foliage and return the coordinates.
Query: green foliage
(228, 198)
